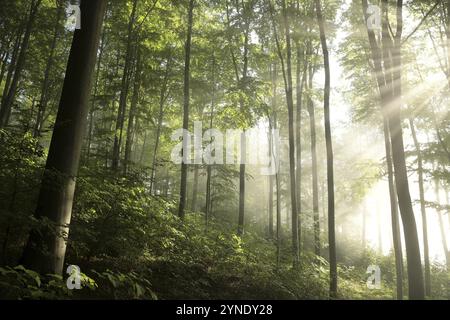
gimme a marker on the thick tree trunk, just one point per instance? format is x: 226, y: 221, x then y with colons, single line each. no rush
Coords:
x: 187, y: 63
x: 415, y: 276
x: 45, y: 249
x: 396, y: 236
x: 329, y: 148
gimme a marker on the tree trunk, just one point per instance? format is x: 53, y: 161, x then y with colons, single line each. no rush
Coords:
x: 45, y: 249
x: 422, y: 209
x: 241, y: 219
x: 299, y: 94
x: 187, y: 62
x: 287, y: 77
x: 209, y: 166
x: 195, y: 189
x: 46, y: 83
x: 7, y: 104
x: 124, y: 91
x: 12, y: 66
x: 396, y: 236
x: 441, y: 225
x: 94, y: 97
x: 162, y: 98
x: 132, y: 113
x: 315, y: 180
x: 388, y: 95
x: 329, y: 148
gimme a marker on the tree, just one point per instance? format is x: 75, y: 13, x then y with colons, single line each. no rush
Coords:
x: 187, y: 62
x: 387, y: 65
x: 329, y: 147
x: 315, y: 179
x: 45, y: 250
x: 422, y: 208
x: 125, y: 85
x: 8, y: 98
x: 288, y: 87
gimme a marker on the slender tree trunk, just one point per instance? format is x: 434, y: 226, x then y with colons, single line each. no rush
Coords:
x: 7, y: 104
x: 441, y: 225
x: 132, y: 113
x: 241, y: 219
x: 315, y: 180
x: 124, y: 90
x: 45, y: 249
x: 195, y: 189
x: 209, y: 166
x: 299, y: 94
x: 96, y: 83
x: 329, y: 148
x: 162, y: 98
x: 422, y: 209
x: 287, y: 77
x: 12, y: 65
x: 187, y: 62
x: 274, y: 151
x: 46, y: 83
x: 4, y: 59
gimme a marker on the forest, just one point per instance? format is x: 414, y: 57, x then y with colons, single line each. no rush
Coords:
x: 224, y: 149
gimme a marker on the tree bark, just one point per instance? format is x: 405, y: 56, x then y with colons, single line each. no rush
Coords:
x: 187, y: 63
x: 124, y: 91
x: 132, y: 113
x: 94, y: 97
x: 46, y: 83
x: 396, y: 236
x: 315, y: 180
x: 5, y: 110
x: 329, y: 148
x: 391, y: 97
x: 209, y: 166
x: 45, y: 249
x: 162, y: 98
x: 300, y: 79
x: 426, y: 253
x: 441, y: 224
